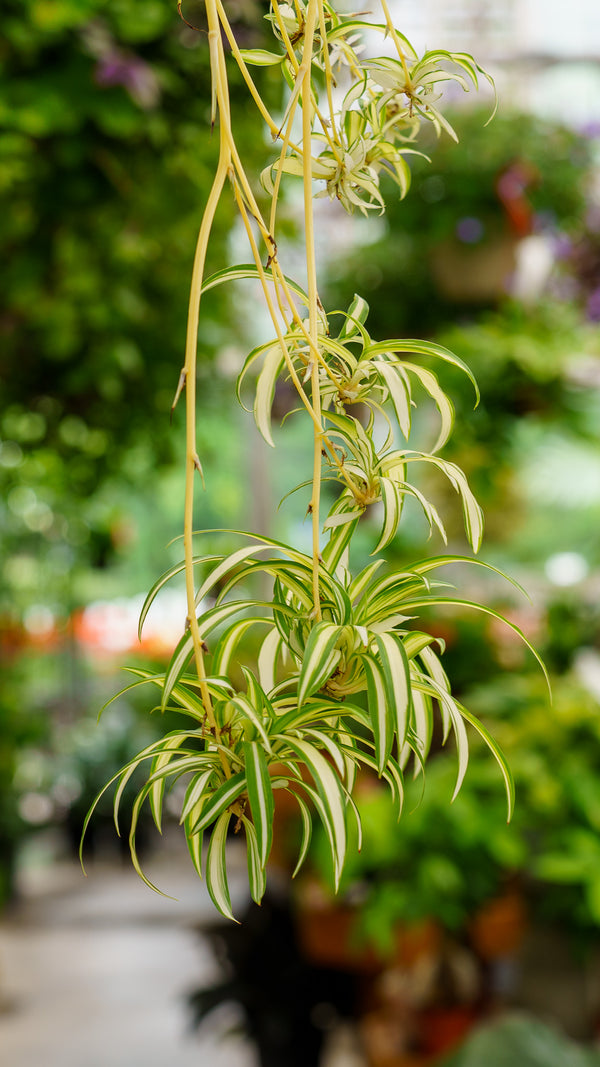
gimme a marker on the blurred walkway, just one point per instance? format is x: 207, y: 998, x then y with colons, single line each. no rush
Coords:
x: 94, y: 972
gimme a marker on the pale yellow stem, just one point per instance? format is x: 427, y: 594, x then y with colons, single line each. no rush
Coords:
x: 327, y: 66
x: 189, y: 374
x: 313, y: 296
x: 393, y: 34
x: 244, y: 70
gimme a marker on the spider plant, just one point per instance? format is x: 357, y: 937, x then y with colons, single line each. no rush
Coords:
x: 345, y: 678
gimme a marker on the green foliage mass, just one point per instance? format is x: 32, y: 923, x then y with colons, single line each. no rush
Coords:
x: 102, y: 180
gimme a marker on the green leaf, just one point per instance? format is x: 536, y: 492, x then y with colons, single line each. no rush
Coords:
x: 216, y: 867
x: 260, y: 795
x: 259, y: 57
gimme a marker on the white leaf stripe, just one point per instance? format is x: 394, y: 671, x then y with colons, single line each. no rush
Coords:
x: 425, y: 348
x: 157, y: 790
x: 306, y: 834
x: 457, y: 602
x: 422, y: 721
x: 248, y: 270
x: 194, y: 842
x: 392, y: 505
x: 162, y: 581
x: 260, y: 795
x: 227, y: 564
x: 256, y: 873
x: 225, y: 795
x: 396, y: 672
x: 247, y: 710
x: 443, y: 403
x: 135, y: 814
x: 379, y: 711
x: 267, y: 659
x: 225, y: 648
x: 498, y: 754
x: 399, y: 394
x: 435, y: 670
x: 330, y: 746
x: 265, y: 391
x: 330, y: 791
x: 206, y: 624
x: 337, y: 859
x: 317, y: 660
x: 460, y: 734
x: 216, y: 867
x: 194, y: 793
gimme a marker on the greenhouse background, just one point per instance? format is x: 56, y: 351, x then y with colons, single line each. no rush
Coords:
x: 450, y: 919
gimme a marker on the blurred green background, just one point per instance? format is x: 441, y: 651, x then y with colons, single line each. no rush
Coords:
x: 105, y: 164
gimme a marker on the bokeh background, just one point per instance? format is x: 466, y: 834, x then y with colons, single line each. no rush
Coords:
x: 450, y: 917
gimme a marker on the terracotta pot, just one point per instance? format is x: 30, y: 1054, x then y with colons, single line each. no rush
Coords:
x: 498, y: 928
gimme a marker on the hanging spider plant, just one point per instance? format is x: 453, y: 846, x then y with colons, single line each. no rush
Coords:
x: 345, y: 678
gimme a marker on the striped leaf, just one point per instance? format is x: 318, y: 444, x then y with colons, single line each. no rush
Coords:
x: 260, y: 795
x: 194, y: 794
x: 250, y: 713
x: 396, y: 672
x: 178, y: 568
x: 319, y: 659
x: 391, y: 498
x: 161, y: 762
x: 306, y: 834
x: 423, y: 348
x: 194, y: 843
x: 222, y: 798
x: 399, y: 391
x: 248, y: 270
x: 457, y: 602
x: 257, y: 878
x: 225, y: 566
x: 228, y: 643
x: 380, y: 711
x: 135, y: 814
x: 265, y: 391
x: 267, y: 660
x: 443, y: 403
x: 330, y: 793
x: 216, y: 867
x: 498, y: 755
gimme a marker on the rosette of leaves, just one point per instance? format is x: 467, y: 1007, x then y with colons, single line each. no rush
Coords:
x: 346, y: 676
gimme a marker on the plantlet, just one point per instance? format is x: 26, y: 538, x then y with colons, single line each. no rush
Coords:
x: 343, y: 679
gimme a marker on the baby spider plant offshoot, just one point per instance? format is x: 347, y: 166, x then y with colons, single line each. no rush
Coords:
x: 347, y: 680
